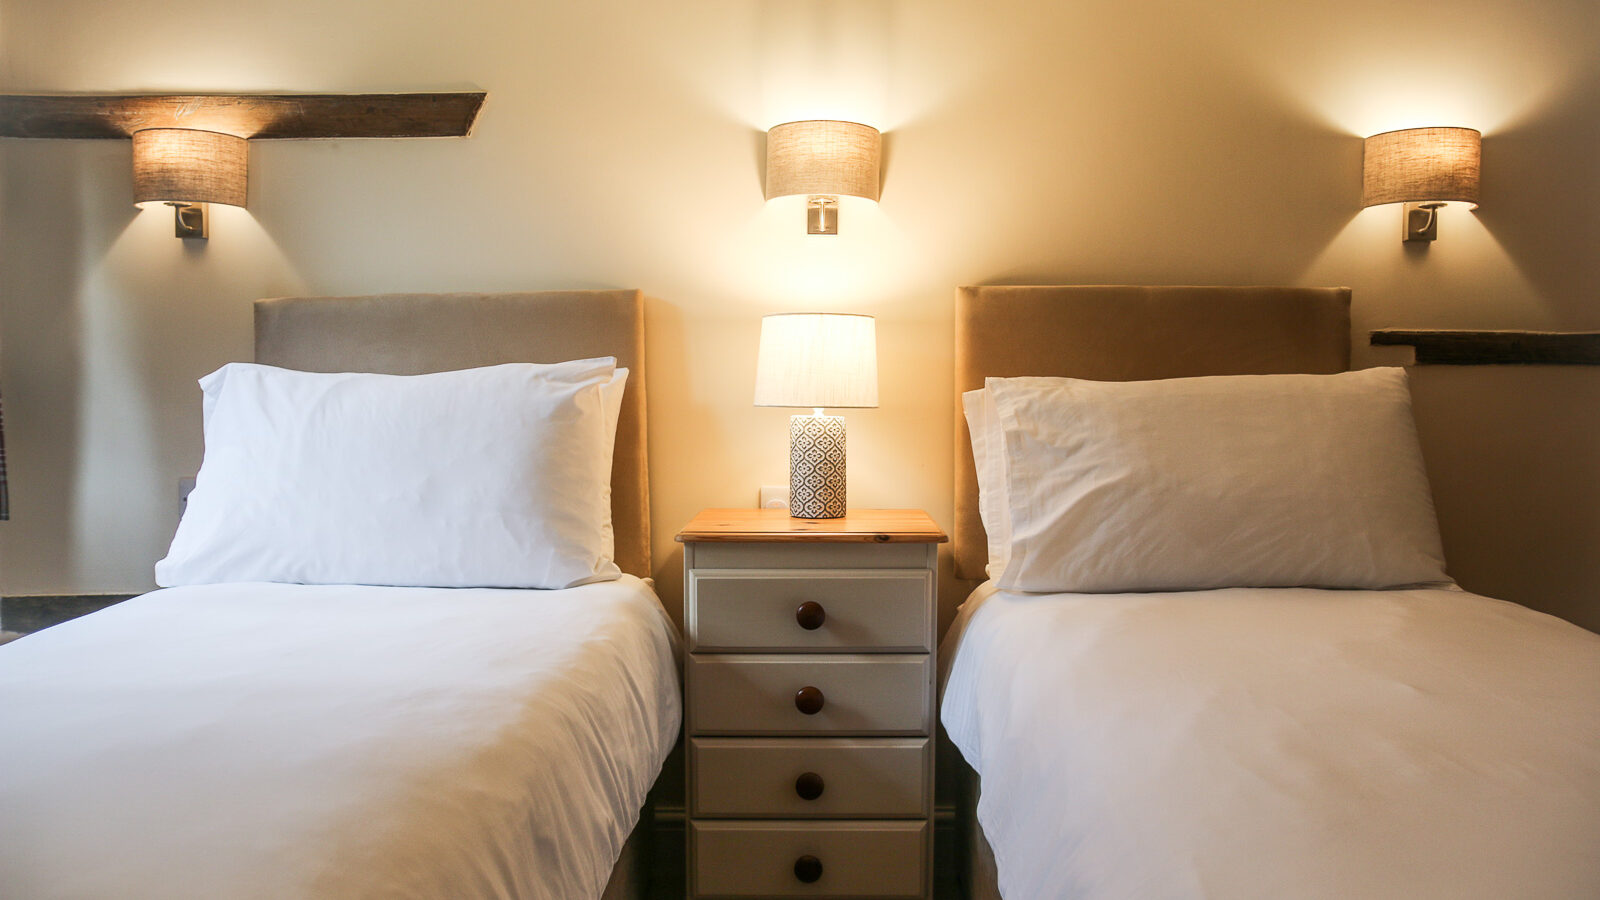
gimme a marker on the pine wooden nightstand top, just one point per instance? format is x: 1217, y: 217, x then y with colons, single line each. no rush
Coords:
x: 864, y: 526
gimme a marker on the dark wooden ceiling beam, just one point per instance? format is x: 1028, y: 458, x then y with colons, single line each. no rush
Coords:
x: 255, y: 116
x: 1497, y: 348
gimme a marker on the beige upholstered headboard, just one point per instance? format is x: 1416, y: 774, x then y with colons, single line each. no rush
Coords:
x: 1130, y: 333
x: 413, y: 334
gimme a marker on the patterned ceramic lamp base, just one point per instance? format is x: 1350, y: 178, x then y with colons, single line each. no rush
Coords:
x: 816, y: 467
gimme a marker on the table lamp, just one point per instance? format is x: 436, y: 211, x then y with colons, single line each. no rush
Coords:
x: 817, y: 360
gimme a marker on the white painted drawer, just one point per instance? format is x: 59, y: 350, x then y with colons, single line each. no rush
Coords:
x: 771, y: 778
x: 862, y: 694
x: 858, y: 859
x: 886, y: 611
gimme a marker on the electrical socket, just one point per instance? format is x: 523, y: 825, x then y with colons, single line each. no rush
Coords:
x: 774, y: 496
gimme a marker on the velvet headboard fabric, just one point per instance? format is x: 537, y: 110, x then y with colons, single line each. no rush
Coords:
x: 1130, y: 333
x: 414, y: 334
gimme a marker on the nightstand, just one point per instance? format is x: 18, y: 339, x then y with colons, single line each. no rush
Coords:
x: 809, y: 703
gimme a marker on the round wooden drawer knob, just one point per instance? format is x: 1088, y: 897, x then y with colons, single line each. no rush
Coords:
x: 808, y: 786
x: 808, y: 869
x: 808, y: 700
x: 810, y: 615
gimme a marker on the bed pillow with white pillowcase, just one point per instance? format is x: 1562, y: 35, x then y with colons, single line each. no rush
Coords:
x: 611, y: 394
x: 488, y: 477
x: 989, y: 460
x: 1231, y: 481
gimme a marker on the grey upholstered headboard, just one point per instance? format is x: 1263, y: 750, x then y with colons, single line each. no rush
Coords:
x: 1130, y: 333
x: 413, y: 334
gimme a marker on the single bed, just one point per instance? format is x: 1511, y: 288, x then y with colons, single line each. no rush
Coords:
x: 339, y: 741
x: 1207, y: 740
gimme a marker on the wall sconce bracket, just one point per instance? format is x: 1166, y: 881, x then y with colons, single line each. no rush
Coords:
x: 1420, y: 222
x: 822, y: 214
x: 190, y: 220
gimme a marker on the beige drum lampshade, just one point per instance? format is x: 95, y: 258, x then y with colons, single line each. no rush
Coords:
x: 183, y: 165
x: 823, y: 156
x: 1418, y: 165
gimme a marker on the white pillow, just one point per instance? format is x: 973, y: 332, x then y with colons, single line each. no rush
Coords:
x: 490, y: 477
x: 1191, y: 483
x: 611, y: 402
x: 611, y: 394
x: 989, y: 461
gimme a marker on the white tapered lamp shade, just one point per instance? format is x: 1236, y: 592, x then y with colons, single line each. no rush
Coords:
x: 817, y: 360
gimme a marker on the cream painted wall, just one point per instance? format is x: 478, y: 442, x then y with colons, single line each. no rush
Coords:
x: 1097, y: 141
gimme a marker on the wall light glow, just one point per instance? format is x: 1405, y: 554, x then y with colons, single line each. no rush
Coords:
x: 777, y: 263
x: 1393, y: 95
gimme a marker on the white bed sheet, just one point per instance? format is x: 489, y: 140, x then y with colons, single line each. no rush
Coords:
x: 301, y: 741
x: 1247, y: 743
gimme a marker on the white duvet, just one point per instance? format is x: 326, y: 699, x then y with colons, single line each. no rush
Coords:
x: 297, y: 741
x: 1252, y: 743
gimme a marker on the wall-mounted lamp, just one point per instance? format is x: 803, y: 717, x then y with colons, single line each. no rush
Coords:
x: 186, y: 169
x: 1422, y: 168
x: 817, y: 360
x: 823, y: 158
x: 191, y: 149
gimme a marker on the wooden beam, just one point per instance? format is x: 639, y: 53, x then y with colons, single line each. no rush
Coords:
x: 258, y: 116
x: 1497, y: 348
